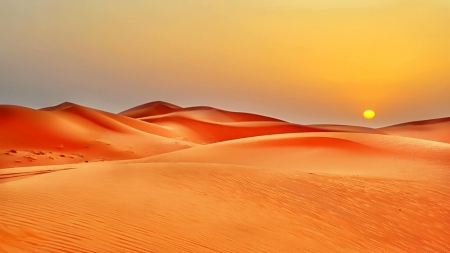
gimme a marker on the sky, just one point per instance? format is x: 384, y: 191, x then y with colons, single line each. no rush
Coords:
x: 304, y: 61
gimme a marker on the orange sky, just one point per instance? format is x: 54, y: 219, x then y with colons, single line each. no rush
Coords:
x: 321, y: 61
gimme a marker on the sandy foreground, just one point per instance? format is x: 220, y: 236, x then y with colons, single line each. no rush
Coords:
x: 287, y: 188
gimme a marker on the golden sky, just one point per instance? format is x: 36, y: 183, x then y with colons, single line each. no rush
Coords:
x: 307, y: 61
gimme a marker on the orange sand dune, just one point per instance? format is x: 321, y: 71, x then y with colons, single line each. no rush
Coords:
x: 202, y: 124
x: 70, y: 133
x: 212, y: 114
x: 96, y: 118
x: 150, y: 109
x: 345, y: 153
x: 199, y: 130
x: 434, y: 130
x: 199, y: 112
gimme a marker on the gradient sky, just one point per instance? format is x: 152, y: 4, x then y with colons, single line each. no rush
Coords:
x: 305, y: 61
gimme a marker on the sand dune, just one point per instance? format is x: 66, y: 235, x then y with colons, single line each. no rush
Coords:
x: 342, y: 153
x: 199, y: 112
x: 204, y: 125
x: 434, y: 130
x: 150, y: 109
x: 256, y: 185
x: 197, y: 129
x: 214, y: 115
x: 70, y: 133
x: 91, y: 118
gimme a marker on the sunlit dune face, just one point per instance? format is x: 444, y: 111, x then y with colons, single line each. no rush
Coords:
x: 368, y: 114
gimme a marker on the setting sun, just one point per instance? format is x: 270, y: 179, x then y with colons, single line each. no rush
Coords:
x: 368, y: 114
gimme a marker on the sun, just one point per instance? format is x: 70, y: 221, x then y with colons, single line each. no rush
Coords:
x: 368, y: 114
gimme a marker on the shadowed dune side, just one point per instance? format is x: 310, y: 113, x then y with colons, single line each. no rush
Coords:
x: 434, y: 130
x: 348, y: 153
x: 72, y: 133
x: 177, y: 207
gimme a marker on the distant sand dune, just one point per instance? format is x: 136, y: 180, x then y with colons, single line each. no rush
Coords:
x: 150, y: 109
x: 198, y: 130
x: 434, y: 130
x: 73, y: 133
x: 200, y: 112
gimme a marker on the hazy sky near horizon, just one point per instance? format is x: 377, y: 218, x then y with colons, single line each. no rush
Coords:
x: 305, y: 61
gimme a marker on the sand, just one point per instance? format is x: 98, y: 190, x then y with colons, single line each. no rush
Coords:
x: 70, y: 133
x: 434, y: 130
x: 305, y: 189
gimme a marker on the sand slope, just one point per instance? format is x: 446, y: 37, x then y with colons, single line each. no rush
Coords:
x: 177, y: 207
x: 343, y: 153
x: 70, y: 133
x: 434, y: 130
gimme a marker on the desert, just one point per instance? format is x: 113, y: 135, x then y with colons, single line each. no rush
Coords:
x: 199, y: 126
x: 163, y: 178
